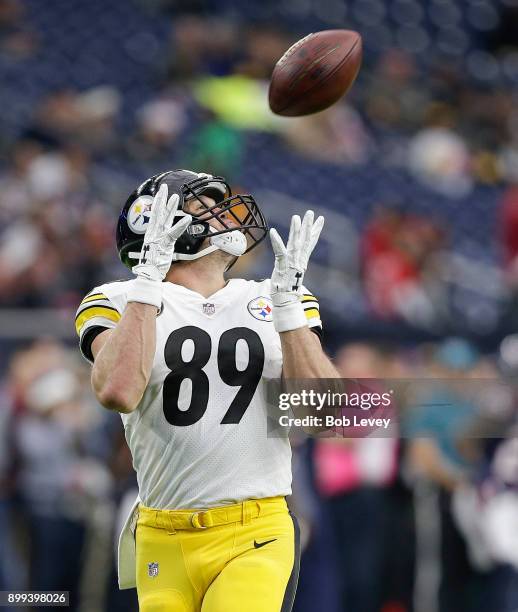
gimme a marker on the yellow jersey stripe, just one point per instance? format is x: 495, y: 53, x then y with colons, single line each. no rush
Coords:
x: 312, y: 313
x: 95, y: 296
x: 96, y: 311
x: 309, y: 298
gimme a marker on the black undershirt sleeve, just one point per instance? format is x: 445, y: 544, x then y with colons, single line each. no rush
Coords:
x: 86, y: 341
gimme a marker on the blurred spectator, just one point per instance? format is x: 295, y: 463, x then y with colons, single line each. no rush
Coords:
x: 319, y: 577
x: 353, y: 476
x: 238, y: 100
x: 509, y: 235
x: 57, y: 238
x: 336, y: 136
x: 202, y: 46
x: 397, y: 260
x: 439, y: 418
x: 12, y: 575
x: 440, y: 158
x: 217, y: 146
x: 68, y: 117
x: 394, y: 98
x: 59, y: 483
x: 160, y: 122
x: 16, y: 40
x: 442, y: 414
x: 486, y: 506
x: 263, y: 47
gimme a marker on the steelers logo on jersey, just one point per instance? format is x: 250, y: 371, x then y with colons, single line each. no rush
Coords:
x: 261, y: 308
x: 138, y: 214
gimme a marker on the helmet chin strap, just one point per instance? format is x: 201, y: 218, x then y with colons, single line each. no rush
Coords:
x: 233, y: 243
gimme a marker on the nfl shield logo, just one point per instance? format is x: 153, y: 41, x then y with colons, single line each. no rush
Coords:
x: 209, y: 309
x: 152, y: 570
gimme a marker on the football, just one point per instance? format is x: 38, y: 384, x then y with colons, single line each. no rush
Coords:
x: 315, y: 72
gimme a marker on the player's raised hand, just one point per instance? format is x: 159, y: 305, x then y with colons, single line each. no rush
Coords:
x: 291, y: 262
x: 161, y: 235
x: 156, y: 255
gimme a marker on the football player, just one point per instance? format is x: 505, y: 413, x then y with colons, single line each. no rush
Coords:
x: 184, y: 355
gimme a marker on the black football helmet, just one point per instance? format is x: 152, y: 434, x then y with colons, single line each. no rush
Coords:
x: 188, y: 185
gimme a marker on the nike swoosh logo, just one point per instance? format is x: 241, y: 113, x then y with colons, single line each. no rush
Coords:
x: 261, y: 544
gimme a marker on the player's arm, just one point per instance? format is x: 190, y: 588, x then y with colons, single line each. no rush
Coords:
x: 303, y: 356
x: 123, y: 356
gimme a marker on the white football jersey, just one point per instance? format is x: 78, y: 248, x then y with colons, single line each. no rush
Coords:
x: 198, y: 438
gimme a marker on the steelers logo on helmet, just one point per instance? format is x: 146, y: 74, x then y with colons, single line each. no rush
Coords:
x: 139, y: 213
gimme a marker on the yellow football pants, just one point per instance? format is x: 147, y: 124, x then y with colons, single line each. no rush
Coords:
x: 241, y: 558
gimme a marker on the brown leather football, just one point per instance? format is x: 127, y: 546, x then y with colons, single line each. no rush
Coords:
x: 315, y: 72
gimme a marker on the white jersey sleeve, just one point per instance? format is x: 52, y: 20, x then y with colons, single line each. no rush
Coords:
x: 100, y: 309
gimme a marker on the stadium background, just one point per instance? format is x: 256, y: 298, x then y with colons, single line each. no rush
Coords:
x: 417, y: 272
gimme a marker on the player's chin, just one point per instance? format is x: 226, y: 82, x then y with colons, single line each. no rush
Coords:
x: 222, y: 260
x: 224, y: 257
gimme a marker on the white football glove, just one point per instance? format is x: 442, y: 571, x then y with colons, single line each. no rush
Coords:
x: 157, y: 250
x: 291, y: 262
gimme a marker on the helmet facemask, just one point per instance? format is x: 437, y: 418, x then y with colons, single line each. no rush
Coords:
x: 242, y: 223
